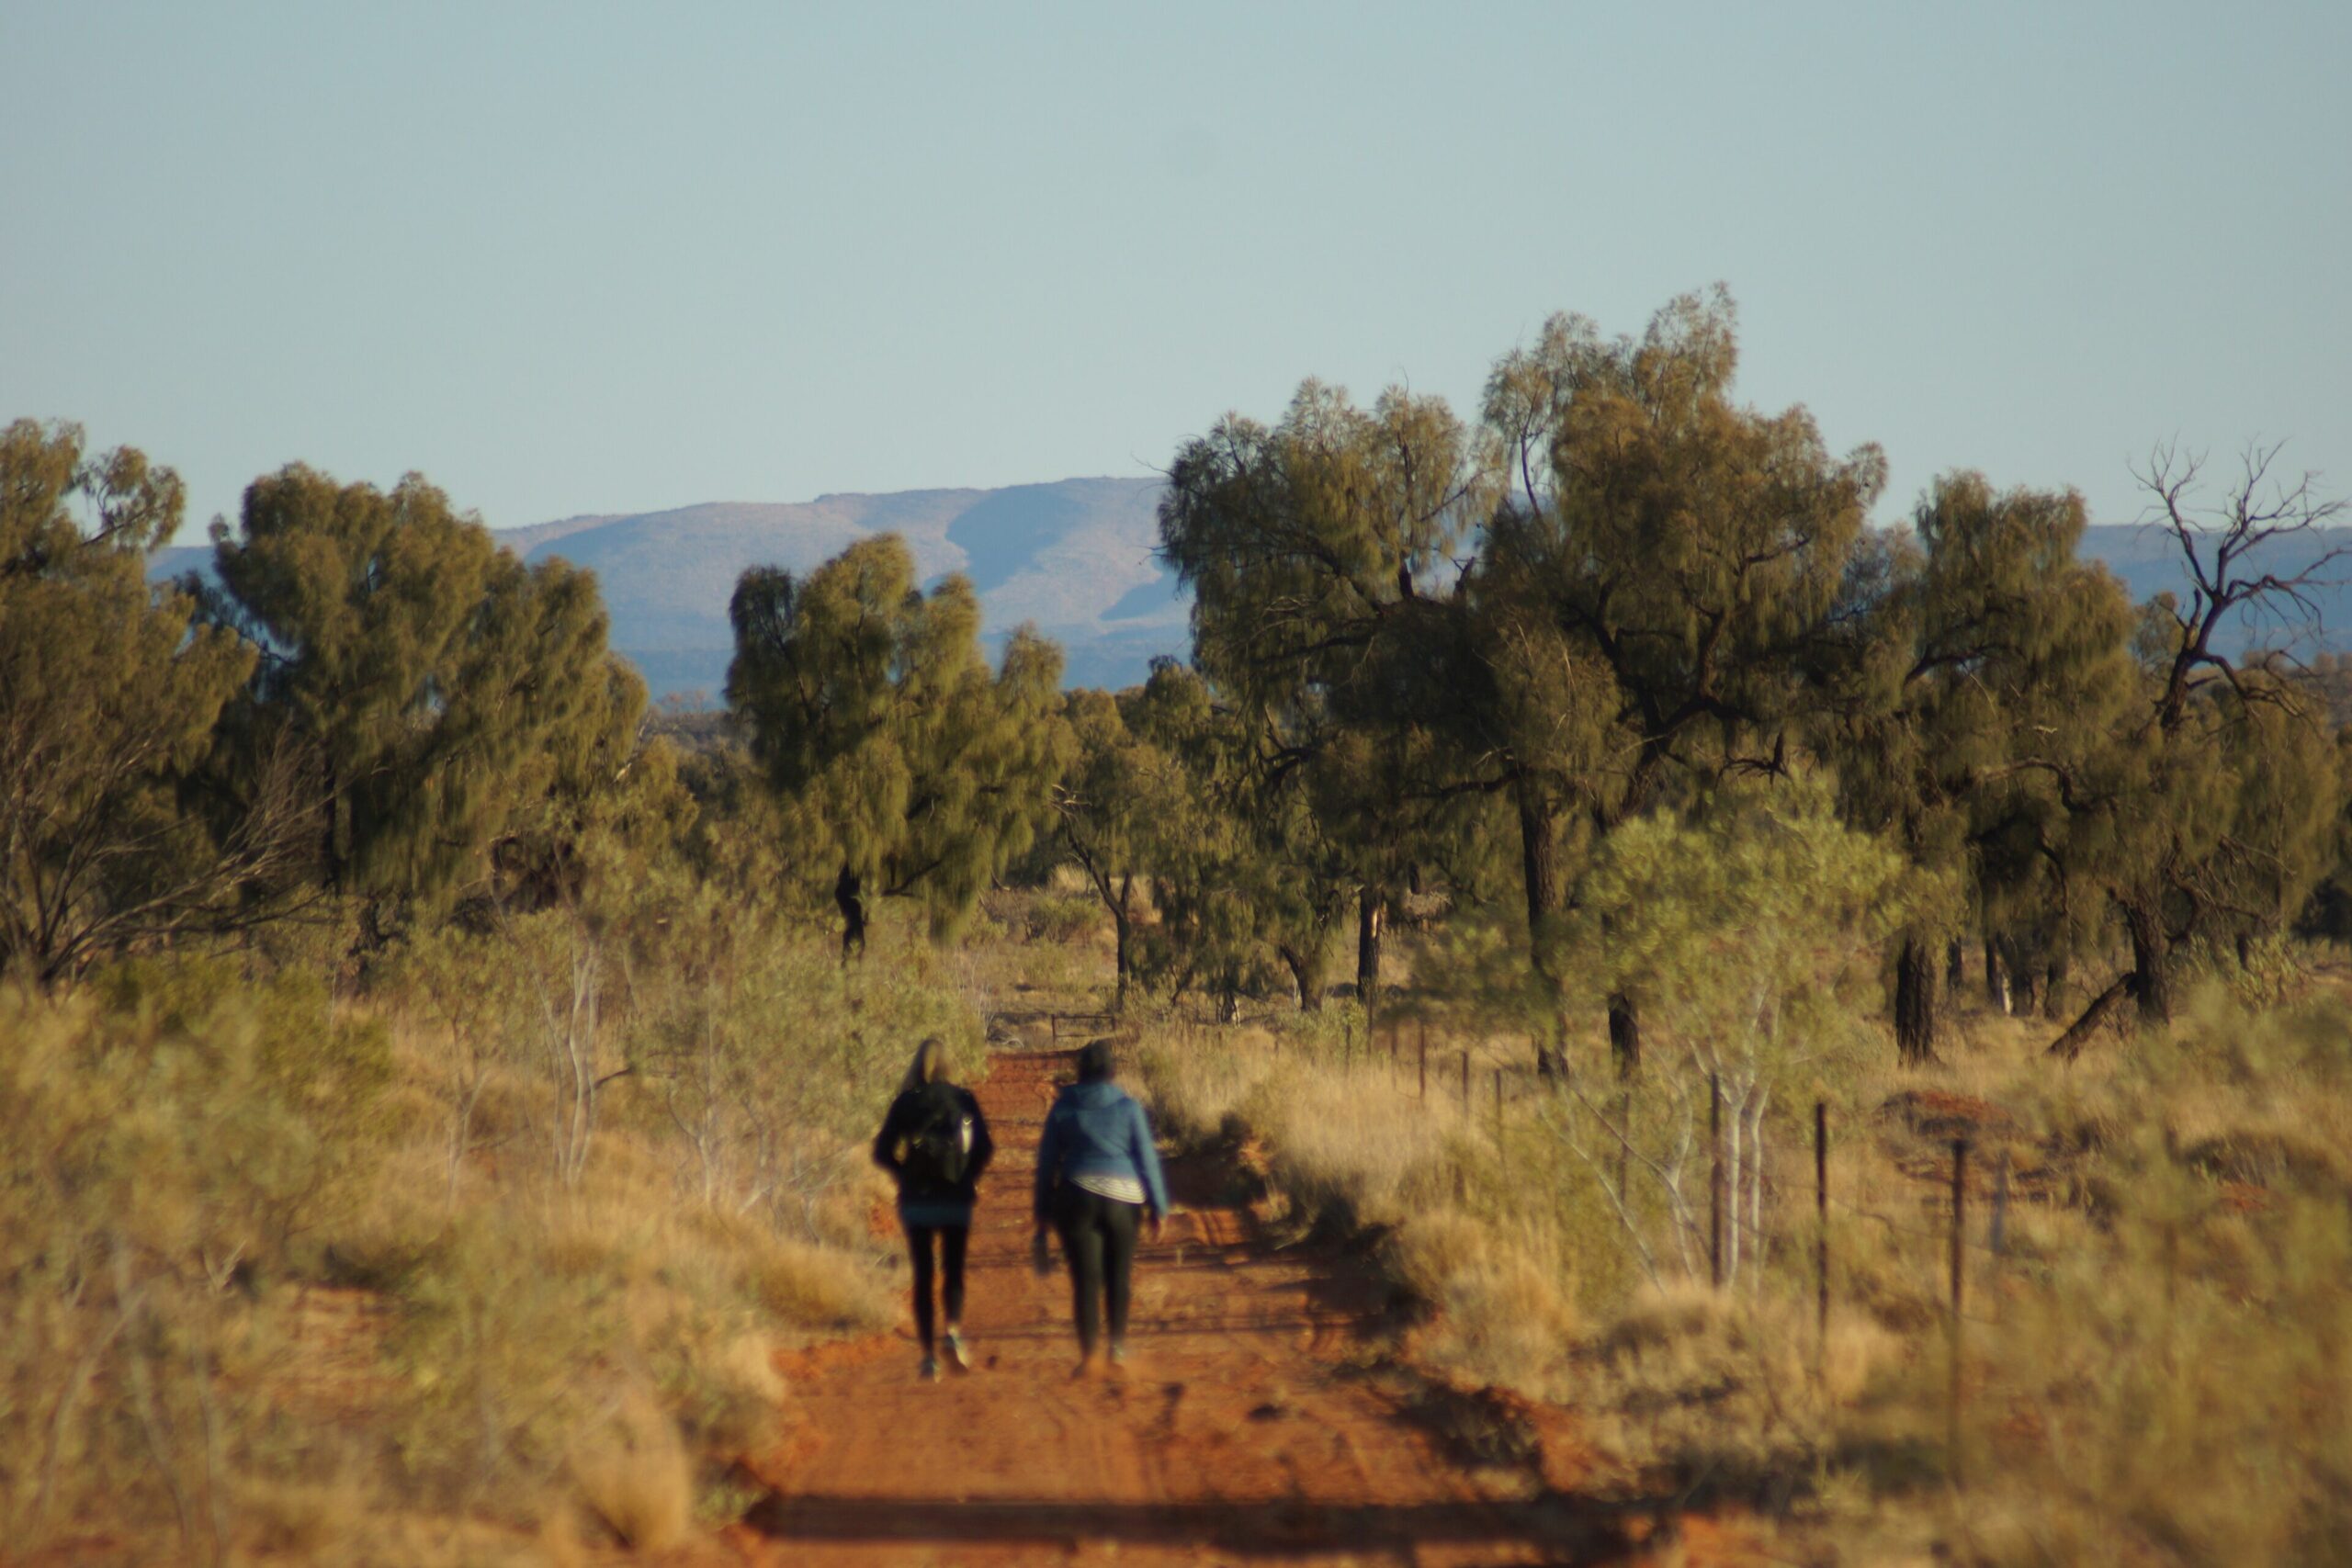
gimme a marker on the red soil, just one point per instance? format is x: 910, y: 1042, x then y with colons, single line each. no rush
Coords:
x: 1256, y: 1420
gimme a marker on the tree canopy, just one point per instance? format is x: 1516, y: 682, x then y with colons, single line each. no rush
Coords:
x: 908, y: 764
x: 443, y: 687
x: 109, y: 698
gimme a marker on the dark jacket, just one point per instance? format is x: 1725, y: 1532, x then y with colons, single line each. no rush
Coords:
x: 905, y: 1115
x: 1097, y: 1129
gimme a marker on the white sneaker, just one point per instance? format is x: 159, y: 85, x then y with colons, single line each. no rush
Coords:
x: 957, y: 1357
x: 930, y: 1369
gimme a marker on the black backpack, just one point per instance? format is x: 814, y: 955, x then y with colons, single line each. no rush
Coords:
x: 939, y: 1139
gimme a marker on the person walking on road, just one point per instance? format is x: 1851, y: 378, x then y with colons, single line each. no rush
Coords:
x: 936, y: 1143
x: 1098, y: 1178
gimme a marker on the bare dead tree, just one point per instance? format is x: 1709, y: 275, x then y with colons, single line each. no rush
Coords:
x: 2231, y: 550
x: 2262, y: 555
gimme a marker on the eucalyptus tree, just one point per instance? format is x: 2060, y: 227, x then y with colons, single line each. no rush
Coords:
x: 1664, y: 568
x: 907, y: 763
x: 1654, y: 573
x: 1210, y: 885
x: 1982, y: 652
x: 1242, y: 875
x: 1321, y: 553
x: 443, y: 687
x: 1116, y: 792
x: 111, y: 696
x: 2205, y: 810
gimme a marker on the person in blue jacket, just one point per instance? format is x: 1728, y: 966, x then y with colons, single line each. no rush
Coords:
x: 1098, y: 1182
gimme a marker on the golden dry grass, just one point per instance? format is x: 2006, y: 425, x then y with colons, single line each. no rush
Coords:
x: 633, y: 1475
x: 2158, y: 1368
x: 251, y: 1316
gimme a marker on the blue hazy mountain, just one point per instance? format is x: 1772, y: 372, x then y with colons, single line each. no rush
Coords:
x: 1074, y: 558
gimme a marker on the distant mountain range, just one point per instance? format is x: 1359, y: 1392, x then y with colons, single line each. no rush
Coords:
x: 1075, y: 558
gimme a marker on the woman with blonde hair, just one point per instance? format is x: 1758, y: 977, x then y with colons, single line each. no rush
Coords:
x: 936, y: 1143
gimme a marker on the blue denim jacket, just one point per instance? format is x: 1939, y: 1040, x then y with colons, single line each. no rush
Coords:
x: 1097, y: 1129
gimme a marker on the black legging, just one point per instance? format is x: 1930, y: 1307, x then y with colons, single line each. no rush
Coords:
x: 951, y: 1251
x: 1099, y: 1240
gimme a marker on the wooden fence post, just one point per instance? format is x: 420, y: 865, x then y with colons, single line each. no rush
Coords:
x: 1958, y: 1273
x: 1625, y: 1137
x: 1499, y: 1108
x: 1999, y: 1238
x: 1425, y: 1061
x: 1715, y: 1180
x: 1821, y: 1238
x: 1466, y: 1084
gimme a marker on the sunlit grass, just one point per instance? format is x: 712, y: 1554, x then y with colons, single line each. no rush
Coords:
x: 2154, y: 1367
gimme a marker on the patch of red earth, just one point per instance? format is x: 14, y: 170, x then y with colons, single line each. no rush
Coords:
x: 332, y: 1366
x: 1939, y: 1113
x: 1259, y: 1419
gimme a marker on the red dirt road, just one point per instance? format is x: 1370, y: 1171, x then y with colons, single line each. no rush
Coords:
x: 1255, y: 1421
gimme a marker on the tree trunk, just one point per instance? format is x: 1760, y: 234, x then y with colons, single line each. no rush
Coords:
x: 2079, y: 1034
x: 1915, y: 1003
x: 1307, y: 973
x: 1372, y: 915
x: 1539, y: 857
x: 330, y: 820
x: 2151, y: 981
x: 2053, y: 989
x: 848, y: 895
x: 2021, y: 973
x: 1624, y: 1035
x: 2246, y: 951
x: 1955, y: 966
x: 1120, y: 932
x: 1997, y: 978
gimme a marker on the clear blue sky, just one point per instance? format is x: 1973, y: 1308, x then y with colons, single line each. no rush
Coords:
x: 572, y: 257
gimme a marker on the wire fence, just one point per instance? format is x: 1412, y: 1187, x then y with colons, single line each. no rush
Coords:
x: 1960, y: 1233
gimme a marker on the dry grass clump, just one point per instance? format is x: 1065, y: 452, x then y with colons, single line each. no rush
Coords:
x: 1339, y: 1150
x: 632, y: 1473
x: 1351, y: 1150
x: 1346, y: 1149
x: 817, y: 1287
x: 1504, y: 1310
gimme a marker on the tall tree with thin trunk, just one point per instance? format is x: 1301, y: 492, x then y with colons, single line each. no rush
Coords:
x: 910, y: 768
x: 1321, y: 553
x: 1116, y: 791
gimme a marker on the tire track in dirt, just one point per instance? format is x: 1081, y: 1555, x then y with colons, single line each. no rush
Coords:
x: 1242, y: 1430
